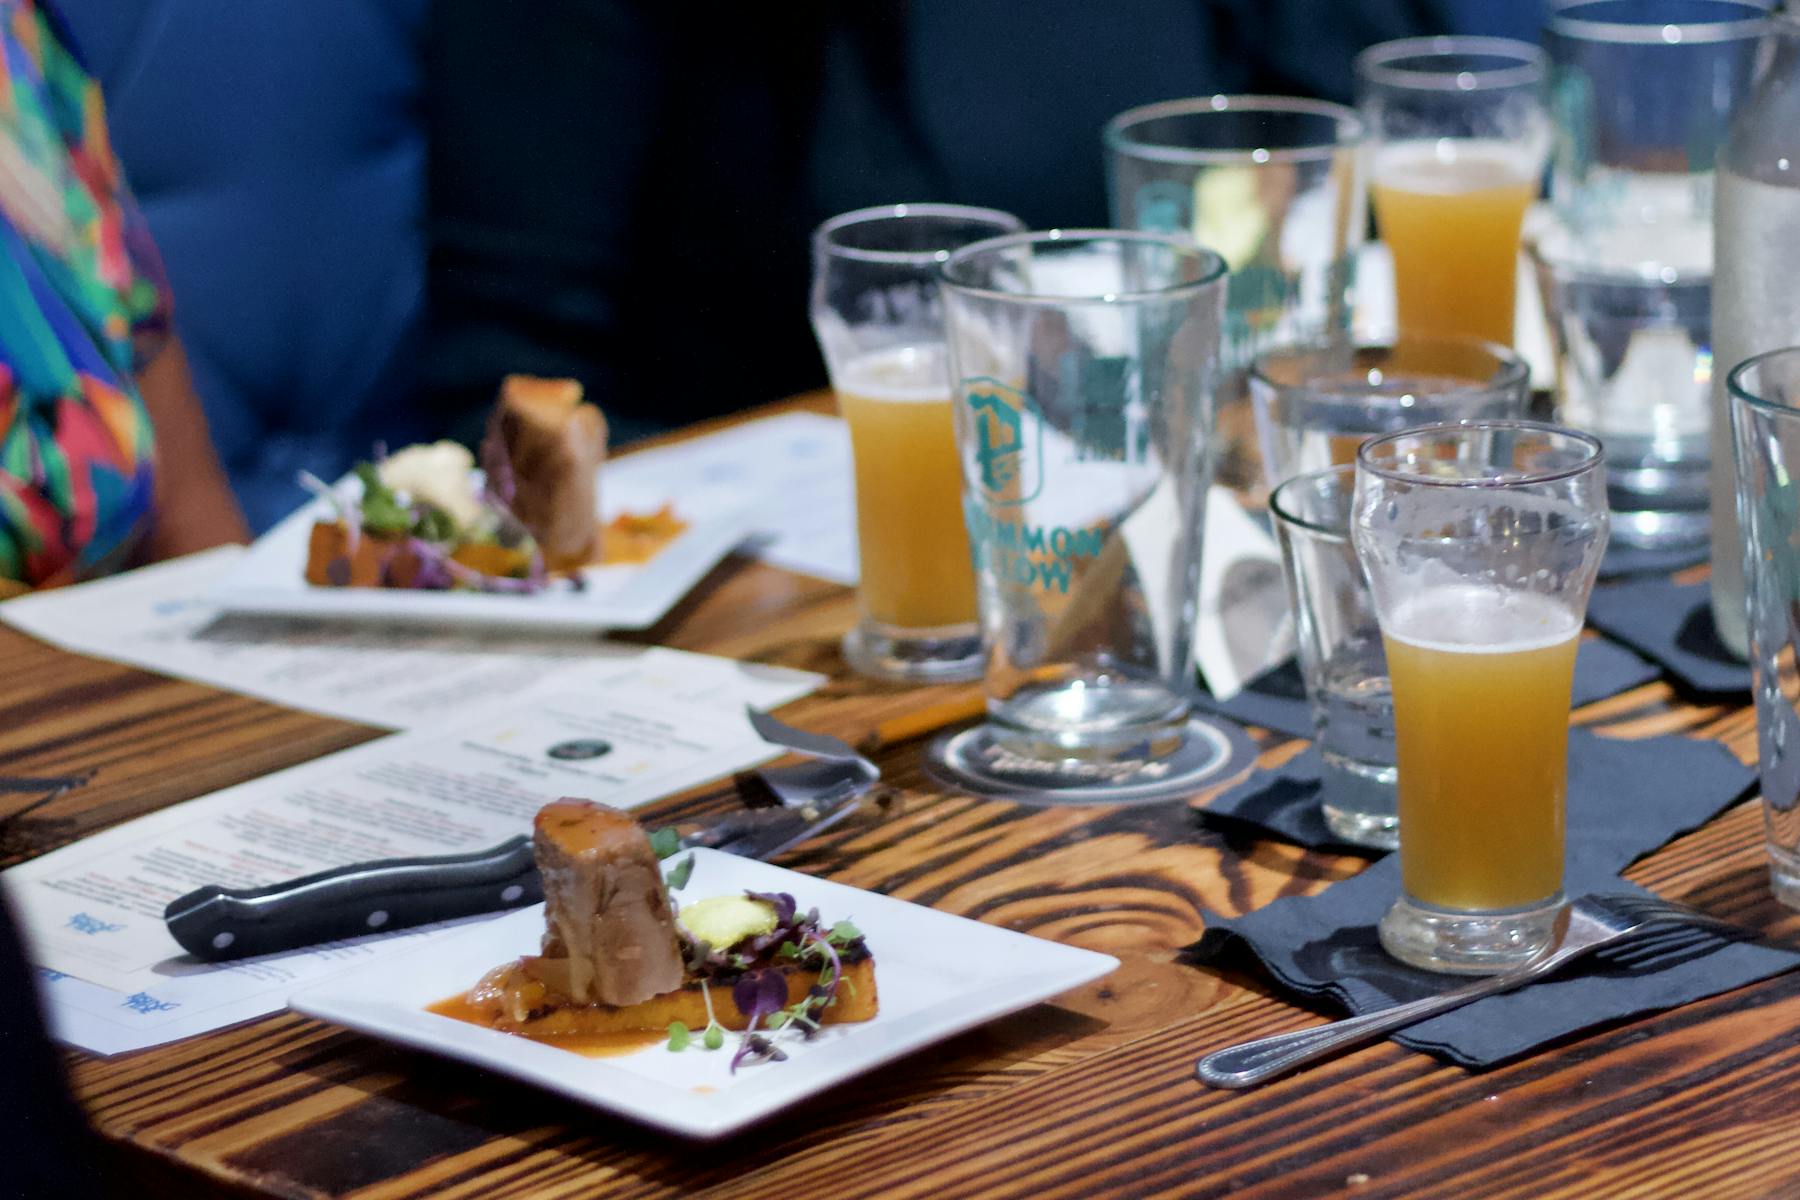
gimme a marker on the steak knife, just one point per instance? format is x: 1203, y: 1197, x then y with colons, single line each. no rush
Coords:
x: 218, y: 924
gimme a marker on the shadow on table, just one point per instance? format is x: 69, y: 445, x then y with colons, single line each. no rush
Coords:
x: 419, y: 1109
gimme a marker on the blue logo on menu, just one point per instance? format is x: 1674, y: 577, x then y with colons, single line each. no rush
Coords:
x: 143, y: 1003
x: 82, y: 923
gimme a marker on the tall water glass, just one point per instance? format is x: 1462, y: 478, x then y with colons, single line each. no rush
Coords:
x: 1458, y: 135
x: 879, y: 321
x: 1315, y: 404
x: 1083, y: 366
x: 1272, y: 184
x: 1481, y: 542
x: 1642, y: 92
x: 1765, y: 418
x: 1341, y: 659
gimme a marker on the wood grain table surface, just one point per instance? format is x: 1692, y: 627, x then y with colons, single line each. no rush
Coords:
x: 1091, y: 1095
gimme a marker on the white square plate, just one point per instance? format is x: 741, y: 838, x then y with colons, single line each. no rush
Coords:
x: 271, y: 580
x: 937, y: 975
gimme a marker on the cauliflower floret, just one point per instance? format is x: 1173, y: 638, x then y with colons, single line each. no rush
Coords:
x: 439, y: 474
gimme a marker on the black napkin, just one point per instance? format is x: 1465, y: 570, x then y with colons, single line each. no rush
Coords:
x: 1276, y: 699
x: 1618, y: 790
x: 1625, y: 799
x: 1671, y: 624
x: 1621, y: 560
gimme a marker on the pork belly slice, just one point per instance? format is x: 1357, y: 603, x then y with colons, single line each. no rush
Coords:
x: 554, y: 444
x: 610, y: 931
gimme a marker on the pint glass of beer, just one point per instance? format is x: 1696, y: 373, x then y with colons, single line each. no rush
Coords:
x: 1458, y: 136
x: 876, y: 312
x: 1481, y: 541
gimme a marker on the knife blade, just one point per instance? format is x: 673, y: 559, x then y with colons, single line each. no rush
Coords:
x: 217, y: 924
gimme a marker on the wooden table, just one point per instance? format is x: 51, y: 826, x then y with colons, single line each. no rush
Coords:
x: 1093, y: 1095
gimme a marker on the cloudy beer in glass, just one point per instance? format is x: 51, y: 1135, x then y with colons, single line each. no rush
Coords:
x: 1480, y: 541
x: 1459, y: 135
x: 1481, y: 782
x: 916, y: 572
x: 879, y: 320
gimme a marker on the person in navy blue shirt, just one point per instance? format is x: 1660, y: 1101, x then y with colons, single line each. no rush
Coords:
x: 622, y: 190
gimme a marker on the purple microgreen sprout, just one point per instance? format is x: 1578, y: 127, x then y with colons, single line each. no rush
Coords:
x: 782, y: 903
x: 759, y: 994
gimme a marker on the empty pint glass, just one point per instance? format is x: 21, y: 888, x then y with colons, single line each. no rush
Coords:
x: 1083, y: 365
x: 1481, y: 541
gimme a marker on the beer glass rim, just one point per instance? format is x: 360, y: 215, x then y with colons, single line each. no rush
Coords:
x: 1283, y: 510
x: 1119, y: 137
x: 826, y: 245
x: 1375, y: 64
x: 1736, y: 385
x: 1512, y: 368
x: 1365, y: 460
x: 1627, y: 30
x: 1213, y: 269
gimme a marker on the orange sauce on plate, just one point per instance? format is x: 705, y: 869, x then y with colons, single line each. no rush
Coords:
x: 588, y: 1045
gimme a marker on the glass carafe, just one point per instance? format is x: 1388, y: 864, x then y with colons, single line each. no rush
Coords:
x: 1756, y: 278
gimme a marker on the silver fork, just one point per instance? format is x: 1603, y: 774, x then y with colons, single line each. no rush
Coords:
x: 1602, y: 919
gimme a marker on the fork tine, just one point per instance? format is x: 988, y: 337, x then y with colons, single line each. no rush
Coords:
x: 1654, y: 909
x: 1654, y: 951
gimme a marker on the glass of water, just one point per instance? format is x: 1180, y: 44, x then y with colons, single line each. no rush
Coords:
x: 1341, y: 657
x: 1315, y: 404
x: 1642, y: 95
x: 1083, y: 365
x: 1765, y: 417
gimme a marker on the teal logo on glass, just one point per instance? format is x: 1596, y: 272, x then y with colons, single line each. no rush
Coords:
x: 1163, y: 206
x: 1009, y: 441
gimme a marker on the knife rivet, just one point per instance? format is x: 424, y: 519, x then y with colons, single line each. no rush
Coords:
x: 223, y: 940
x: 378, y: 918
x: 511, y: 892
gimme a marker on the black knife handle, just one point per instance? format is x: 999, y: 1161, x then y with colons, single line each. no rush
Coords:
x: 217, y: 924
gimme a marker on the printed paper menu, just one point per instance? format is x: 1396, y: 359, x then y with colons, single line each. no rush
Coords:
x: 393, y: 677
x: 93, y: 910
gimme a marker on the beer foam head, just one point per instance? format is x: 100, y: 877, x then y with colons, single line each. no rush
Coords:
x: 1487, y: 620
x: 918, y: 373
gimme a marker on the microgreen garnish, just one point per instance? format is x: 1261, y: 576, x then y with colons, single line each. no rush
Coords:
x: 382, y: 511
x: 798, y: 940
x: 680, y: 1037
x: 665, y: 842
x: 679, y: 876
x: 434, y: 524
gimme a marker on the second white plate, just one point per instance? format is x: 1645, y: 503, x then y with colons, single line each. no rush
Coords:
x: 271, y: 580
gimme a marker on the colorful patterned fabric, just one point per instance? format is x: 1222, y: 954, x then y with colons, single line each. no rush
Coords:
x: 83, y: 306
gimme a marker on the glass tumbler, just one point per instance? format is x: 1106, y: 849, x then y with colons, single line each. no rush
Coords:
x: 1341, y: 657
x: 1458, y: 135
x: 1269, y: 182
x: 1765, y: 418
x: 1083, y: 365
x: 879, y: 321
x: 1315, y: 404
x: 1481, y: 541
x: 1643, y: 93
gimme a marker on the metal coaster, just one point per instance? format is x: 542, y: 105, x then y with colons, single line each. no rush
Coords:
x: 1210, y: 752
